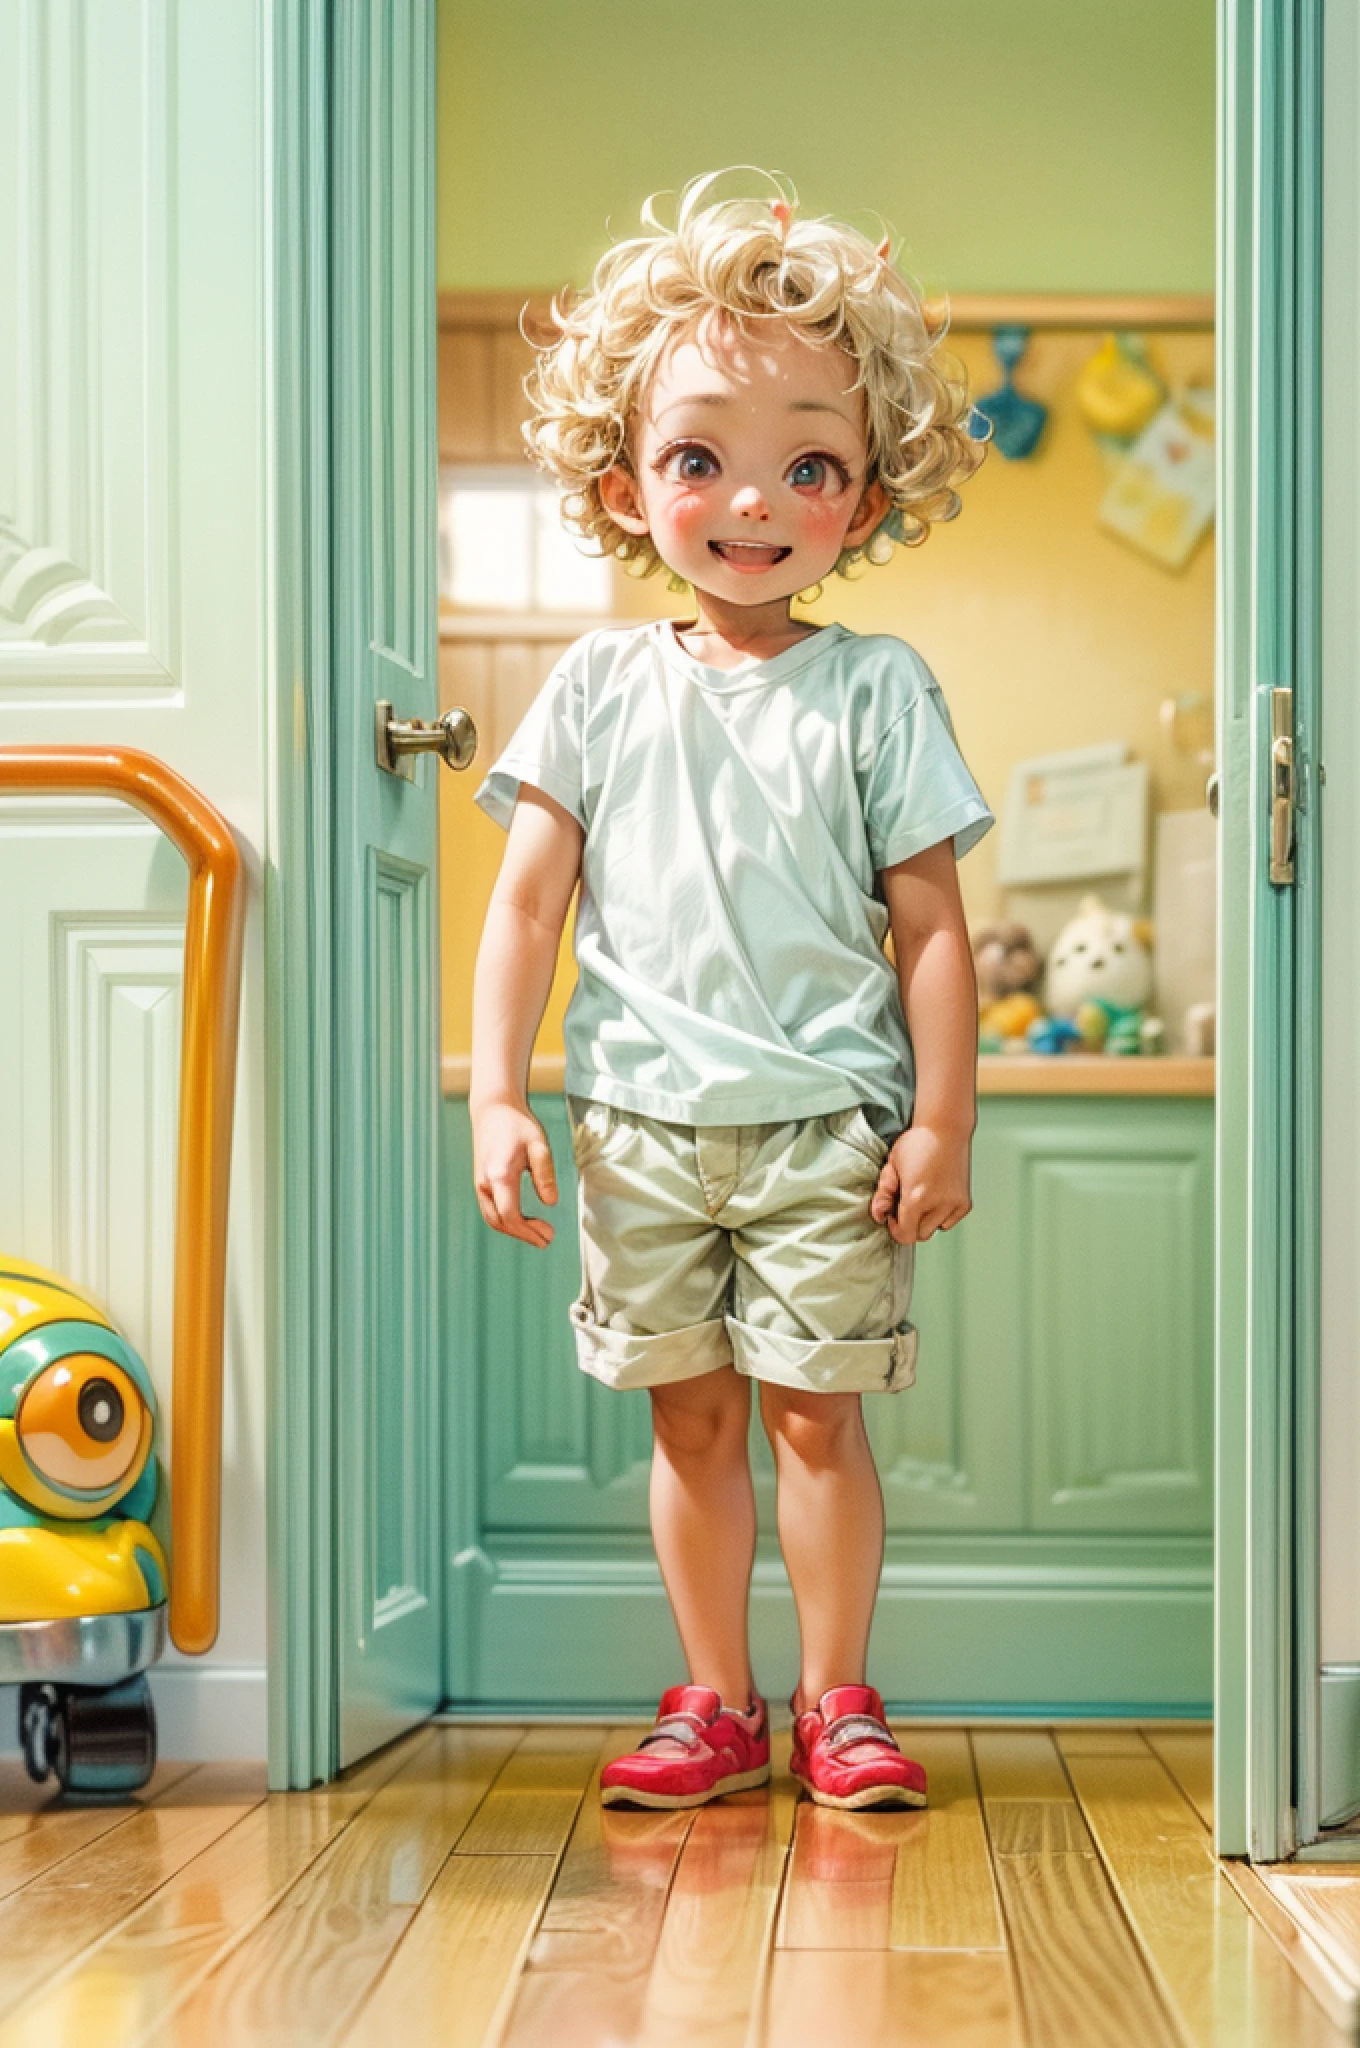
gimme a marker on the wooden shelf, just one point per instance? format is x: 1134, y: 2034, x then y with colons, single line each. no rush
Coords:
x: 1092, y: 1074
x: 998, y: 1074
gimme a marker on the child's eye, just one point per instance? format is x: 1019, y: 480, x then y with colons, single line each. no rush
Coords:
x: 818, y: 473
x: 689, y: 465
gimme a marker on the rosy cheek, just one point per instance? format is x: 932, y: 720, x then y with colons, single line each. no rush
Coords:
x: 685, y: 513
x: 822, y: 521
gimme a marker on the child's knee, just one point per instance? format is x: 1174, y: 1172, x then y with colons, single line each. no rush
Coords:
x: 818, y: 1429
x: 699, y: 1417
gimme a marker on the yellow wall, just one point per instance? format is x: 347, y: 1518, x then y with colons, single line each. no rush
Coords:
x: 1013, y: 145
x: 1044, y: 631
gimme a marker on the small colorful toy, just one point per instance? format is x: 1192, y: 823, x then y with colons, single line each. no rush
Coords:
x: 1052, y: 1036
x: 82, y: 1574
x: 1008, y: 968
x: 1108, y: 1027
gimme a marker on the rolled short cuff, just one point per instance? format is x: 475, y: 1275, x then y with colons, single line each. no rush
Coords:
x: 873, y: 1365
x: 621, y: 1358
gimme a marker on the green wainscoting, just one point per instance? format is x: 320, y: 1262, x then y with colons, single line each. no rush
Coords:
x: 1048, y: 1480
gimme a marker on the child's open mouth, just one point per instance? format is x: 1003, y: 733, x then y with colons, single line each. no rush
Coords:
x: 748, y: 554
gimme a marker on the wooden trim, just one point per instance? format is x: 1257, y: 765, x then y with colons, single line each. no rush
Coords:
x: 997, y: 1075
x: 459, y: 311
x: 969, y: 312
x: 510, y: 625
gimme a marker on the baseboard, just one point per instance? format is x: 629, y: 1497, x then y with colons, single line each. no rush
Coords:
x: 1339, y: 1744
x: 204, y: 1713
x: 570, y: 1633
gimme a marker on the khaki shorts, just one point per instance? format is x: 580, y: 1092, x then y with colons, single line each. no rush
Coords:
x: 737, y: 1244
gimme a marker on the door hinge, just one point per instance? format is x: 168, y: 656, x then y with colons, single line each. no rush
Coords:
x: 1283, y: 799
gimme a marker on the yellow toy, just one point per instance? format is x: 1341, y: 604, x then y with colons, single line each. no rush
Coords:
x: 1118, y: 391
x: 82, y: 1576
x: 1009, y: 1016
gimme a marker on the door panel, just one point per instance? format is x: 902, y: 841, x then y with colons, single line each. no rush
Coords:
x: 383, y: 537
x: 133, y: 612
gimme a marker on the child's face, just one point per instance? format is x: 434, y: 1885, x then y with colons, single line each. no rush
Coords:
x: 749, y: 452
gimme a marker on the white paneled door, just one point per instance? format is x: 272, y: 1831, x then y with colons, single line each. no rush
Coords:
x: 133, y: 610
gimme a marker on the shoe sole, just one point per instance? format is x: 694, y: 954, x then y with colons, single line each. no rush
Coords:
x: 872, y: 1795
x: 627, y: 1795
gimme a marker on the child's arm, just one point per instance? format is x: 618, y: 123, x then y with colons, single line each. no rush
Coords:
x: 924, y: 1184
x: 515, y: 964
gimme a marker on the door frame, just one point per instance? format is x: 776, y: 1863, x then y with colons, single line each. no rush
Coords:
x: 1268, y: 345
x: 1269, y: 363
x: 303, y: 1618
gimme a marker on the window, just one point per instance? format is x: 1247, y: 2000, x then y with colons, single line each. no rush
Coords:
x: 503, y: 548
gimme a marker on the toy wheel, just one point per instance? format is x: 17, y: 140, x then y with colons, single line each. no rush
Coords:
x: 37, y: 1710
x: 103, y: 1742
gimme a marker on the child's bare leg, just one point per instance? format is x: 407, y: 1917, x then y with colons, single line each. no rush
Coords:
x: 704, y: 1523
x: 830, y: 1513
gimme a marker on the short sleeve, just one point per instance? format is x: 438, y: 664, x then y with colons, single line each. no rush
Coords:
x: 545, y: 748
x: 920, y: 791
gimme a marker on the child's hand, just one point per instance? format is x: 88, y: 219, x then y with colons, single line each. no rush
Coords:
x: 924, y: 1184
x: 508, y: 1141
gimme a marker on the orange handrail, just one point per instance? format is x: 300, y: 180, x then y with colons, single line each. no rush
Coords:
x: 207, y: 1092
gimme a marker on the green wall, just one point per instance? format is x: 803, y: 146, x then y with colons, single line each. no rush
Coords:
x: 1054, y: 145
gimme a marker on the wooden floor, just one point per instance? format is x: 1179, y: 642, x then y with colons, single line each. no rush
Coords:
x: 466, y: 1888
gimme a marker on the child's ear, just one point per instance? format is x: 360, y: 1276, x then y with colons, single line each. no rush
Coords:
x: 622, y: 501
x: 873, y: 507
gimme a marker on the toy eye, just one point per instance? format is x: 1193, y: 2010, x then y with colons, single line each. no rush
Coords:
x: 101, y: 1411
x: 80, y: 1424
x: 1118, y: 946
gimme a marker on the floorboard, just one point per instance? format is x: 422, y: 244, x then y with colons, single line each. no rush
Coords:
x: 301, y: 1974
x: 39, y: 1840
x: 48, y: 1924
x: 1221, y: 1974
x: 891, y: 2000
x: 708, y: 1980
x: 128, y: 1984
x: 1188, y: 1754
x: 585, y: 1979
x: 1082, y: 1978
x: 465, y: 1888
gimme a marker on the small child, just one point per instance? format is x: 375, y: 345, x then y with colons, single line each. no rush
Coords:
x: 767, y: 1115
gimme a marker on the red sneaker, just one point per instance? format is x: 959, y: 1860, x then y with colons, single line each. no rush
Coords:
x: 846, y: 1755
x: 697, y: 1751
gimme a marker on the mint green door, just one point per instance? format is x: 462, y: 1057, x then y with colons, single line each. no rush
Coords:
x: 383, y: 442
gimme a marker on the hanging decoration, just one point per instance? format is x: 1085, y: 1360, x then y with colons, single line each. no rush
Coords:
x: 1017, y: 421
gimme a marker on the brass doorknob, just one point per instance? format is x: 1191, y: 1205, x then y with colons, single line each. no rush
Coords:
x: 453, y: 737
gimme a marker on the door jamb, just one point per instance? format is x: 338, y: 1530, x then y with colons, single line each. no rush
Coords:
x: 303, y: 1728
x: 1267, y: 1367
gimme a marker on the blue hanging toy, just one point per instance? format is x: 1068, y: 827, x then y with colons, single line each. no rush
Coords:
x: 1017, y: 422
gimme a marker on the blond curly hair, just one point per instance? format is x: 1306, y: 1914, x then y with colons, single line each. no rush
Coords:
x: 751, y: 259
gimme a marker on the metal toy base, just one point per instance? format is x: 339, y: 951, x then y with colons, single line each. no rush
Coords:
x: 90, y: 1649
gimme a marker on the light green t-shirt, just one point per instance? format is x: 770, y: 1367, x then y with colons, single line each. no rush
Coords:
x: 730, y: 927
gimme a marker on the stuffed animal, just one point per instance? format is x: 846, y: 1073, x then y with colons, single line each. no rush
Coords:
x: 1008, y: 969
x: 1103, y: 953
x: 1007, y: 961
x: 1100, y: 975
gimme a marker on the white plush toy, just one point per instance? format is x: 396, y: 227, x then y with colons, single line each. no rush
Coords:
x: 1102, y: 954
